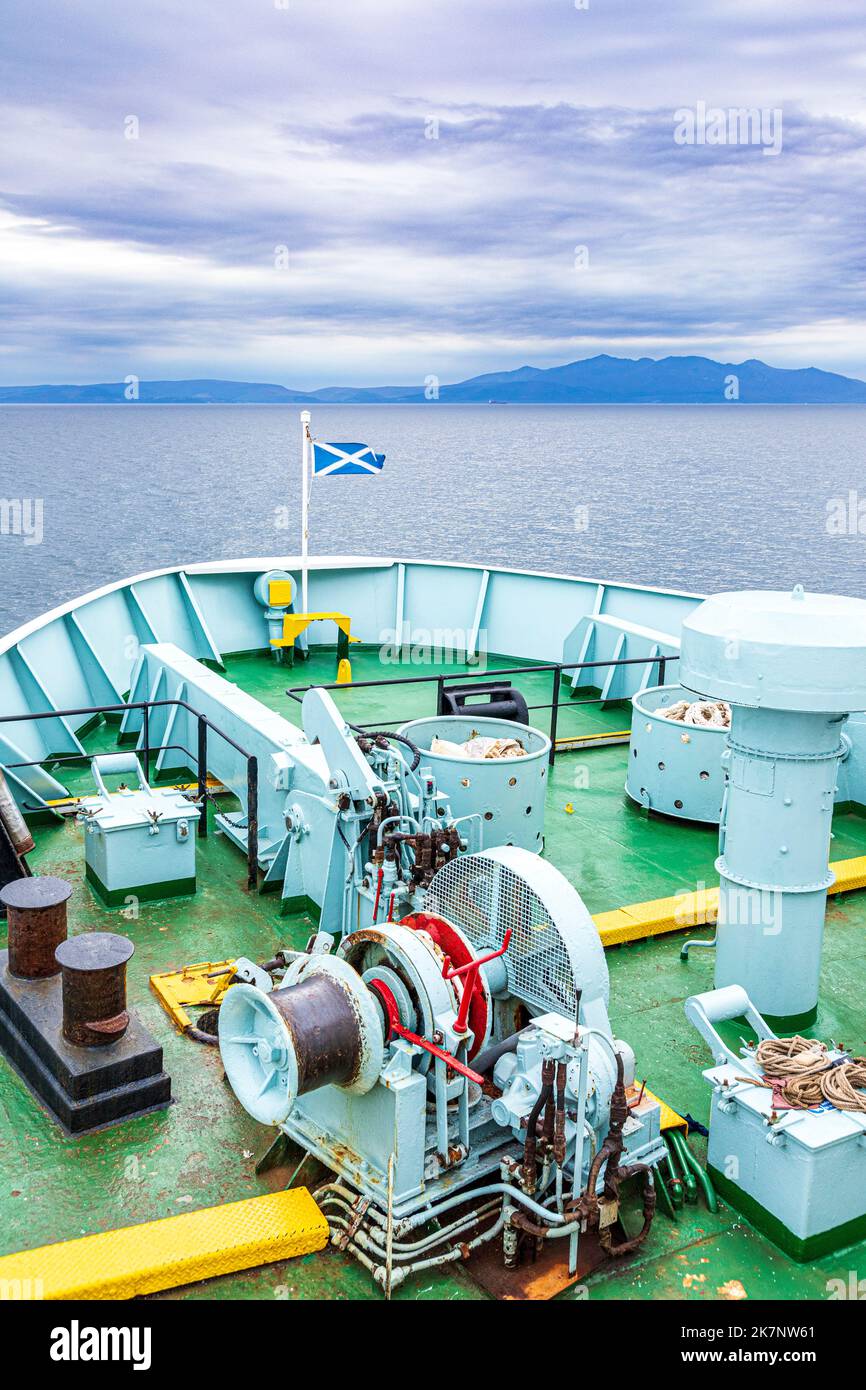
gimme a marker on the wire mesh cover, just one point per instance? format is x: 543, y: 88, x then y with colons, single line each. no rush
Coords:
x: 484, y: 898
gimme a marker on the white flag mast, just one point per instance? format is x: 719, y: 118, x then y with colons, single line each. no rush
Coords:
x: 305, y: 504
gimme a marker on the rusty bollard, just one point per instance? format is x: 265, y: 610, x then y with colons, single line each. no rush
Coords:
x: 36, y: 909
x: 94, y: 987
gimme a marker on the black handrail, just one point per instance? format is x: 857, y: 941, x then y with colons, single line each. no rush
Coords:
x: 297, y: 692
x: 199, y: 759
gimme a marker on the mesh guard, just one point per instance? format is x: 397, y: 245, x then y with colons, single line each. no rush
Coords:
x: 484, y: 897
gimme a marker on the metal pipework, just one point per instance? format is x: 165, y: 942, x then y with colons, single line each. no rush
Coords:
x: 36, y: 909
x: 16, y: 826
x: 792, y: 666
x: 94, y: 987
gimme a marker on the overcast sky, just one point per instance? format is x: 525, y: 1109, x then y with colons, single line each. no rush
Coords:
x: 378, y: 190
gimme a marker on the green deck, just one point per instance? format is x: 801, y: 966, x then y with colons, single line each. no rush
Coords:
x: 203, y: 1149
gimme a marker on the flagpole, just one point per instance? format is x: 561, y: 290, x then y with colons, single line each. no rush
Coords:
x: 305, y: 494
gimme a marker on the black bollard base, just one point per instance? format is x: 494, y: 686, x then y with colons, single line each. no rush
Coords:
x: 84, y: 1088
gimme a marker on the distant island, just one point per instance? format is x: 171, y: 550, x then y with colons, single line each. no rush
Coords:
x: 601, y: 380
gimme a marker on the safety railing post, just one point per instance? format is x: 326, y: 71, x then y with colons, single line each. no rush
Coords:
x: 202, y: 776
x: 554, y: 714
x: 252, y: 822
x: 145, y: 735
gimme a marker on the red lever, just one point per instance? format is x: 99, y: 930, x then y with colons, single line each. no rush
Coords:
x: 392, y: 1012
x: 437, y: 1052
x: 470, y: 970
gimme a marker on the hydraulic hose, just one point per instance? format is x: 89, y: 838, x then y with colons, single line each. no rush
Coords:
x: 486, y: 1060
x: 703, y: 1177
x: 545, y: 1098
x: 625, y: 1247
x: 674, y: 1141
x: 401, y: 738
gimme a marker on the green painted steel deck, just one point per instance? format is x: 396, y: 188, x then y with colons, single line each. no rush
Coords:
x: 203, y: 1149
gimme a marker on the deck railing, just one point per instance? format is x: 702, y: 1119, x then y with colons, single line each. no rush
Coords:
x: 556, y: 669
x: 197, y: 759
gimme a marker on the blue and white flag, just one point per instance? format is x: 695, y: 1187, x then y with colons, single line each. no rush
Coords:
x: 333, y: 459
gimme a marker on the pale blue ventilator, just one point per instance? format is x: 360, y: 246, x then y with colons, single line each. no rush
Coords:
x: 792, y: 666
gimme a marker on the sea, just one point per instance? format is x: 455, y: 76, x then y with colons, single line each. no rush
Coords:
x: 699, y: 498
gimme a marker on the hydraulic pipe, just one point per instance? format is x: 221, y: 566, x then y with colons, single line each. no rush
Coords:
x: 674, y: 1140
x: 688, y: 1159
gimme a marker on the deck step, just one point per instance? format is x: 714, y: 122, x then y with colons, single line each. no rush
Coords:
x: 686, y: 911
x: 176, y: 1250
x: 604, y: 739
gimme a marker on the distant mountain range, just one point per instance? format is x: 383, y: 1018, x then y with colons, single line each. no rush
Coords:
x: 593, y: 381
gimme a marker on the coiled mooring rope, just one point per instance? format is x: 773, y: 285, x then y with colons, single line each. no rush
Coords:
x: 712, y: 714
x: 844, y: 1085
x: 809, y: 1076
x: 792, y: 1056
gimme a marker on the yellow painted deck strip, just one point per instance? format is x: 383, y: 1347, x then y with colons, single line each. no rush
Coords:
x: 699, y: 909
x: 213, y: 785
x: 176, y: 1250
x: 594, y: 738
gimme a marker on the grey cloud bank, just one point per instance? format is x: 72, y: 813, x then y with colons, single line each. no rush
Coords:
x: 396, y: 190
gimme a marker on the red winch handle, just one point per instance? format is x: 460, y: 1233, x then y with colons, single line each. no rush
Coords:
x: 395, y: 1027
x: 470, y: 970
x: 438, y: 1052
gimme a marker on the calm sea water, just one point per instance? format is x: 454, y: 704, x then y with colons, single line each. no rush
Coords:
x: 691, y: 497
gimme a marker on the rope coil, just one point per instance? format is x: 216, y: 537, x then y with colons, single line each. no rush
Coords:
x: 792, y: 1056
x: 808, y: 1075
x: 844, y: 1085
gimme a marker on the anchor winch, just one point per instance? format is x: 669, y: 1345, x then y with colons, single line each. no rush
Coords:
x: 461, y: 1056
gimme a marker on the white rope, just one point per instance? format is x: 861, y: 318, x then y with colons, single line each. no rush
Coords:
x: 707, y: 714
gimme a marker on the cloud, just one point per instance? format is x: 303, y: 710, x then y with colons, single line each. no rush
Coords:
x: 432, y: 172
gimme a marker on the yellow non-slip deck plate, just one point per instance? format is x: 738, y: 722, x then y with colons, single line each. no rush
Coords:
x: 176, y: 1250
x: 700, y: 909
x: 669, y: 1118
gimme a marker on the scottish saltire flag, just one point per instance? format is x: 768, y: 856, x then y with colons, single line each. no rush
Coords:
x: 332, y: 459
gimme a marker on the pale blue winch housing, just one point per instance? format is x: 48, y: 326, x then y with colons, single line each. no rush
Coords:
x: 674, y: 768
x: 792, y: 666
